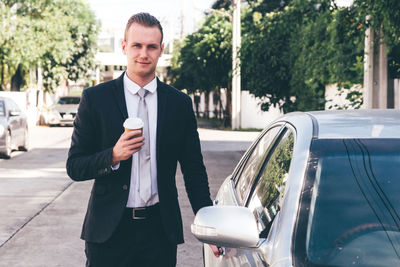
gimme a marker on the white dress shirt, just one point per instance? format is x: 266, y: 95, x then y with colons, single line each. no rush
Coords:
x: 132, y: 104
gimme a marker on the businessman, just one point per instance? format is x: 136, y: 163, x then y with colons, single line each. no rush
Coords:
x: 133, y: 216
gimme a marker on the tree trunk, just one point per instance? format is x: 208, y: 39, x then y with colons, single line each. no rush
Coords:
x: 216, y: 101
x: 228, y: 108
x: 207, y: 104
x: 17, y: 80
x: 2, y: 72
x: 221, y: 107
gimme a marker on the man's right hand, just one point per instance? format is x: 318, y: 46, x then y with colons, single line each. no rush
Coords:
x: 128, y: 144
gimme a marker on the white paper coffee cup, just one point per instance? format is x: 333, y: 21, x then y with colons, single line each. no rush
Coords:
x: 131, y: 124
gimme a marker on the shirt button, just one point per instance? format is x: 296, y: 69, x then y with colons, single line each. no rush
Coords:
x: 125, y: 187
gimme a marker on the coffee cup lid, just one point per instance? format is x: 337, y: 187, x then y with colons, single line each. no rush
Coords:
x: 133, y: 123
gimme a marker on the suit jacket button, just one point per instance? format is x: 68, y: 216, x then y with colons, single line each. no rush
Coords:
x: 125, y: 187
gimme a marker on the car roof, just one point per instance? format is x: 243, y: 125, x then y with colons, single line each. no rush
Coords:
x: 361, y: 123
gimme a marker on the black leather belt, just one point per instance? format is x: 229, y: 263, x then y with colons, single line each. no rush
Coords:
x: 144, y: 212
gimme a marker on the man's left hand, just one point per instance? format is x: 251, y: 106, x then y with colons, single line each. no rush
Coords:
x: 218, y: 251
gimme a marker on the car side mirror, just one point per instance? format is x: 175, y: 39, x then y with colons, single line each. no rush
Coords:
x: 226, y: 226
x: 14, y: 113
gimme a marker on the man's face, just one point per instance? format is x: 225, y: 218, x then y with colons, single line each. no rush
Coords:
x: 142, y: 48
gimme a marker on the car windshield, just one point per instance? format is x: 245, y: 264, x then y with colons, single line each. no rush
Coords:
x: 69, y: 101
x: 354, y: 205
x: 2, y: 112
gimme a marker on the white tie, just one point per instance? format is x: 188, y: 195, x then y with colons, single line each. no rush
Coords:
x: 144, y: 153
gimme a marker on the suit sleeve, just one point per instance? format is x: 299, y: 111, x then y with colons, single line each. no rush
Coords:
x: 191, y: 161
x: 85, y: 161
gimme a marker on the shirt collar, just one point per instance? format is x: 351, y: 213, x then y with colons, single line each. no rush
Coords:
x: 133, y: 87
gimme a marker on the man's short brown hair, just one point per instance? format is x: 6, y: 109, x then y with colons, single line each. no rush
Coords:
x: 144, y: 19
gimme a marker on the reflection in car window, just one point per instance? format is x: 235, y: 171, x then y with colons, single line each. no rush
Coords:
x: 265, y: 201
x: 355, y: 203
x: 2, y: 108
x: 252, y: 167
x: 69, y: 101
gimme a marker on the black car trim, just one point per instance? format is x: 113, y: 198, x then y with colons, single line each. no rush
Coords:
x: 299, y: 254
x: 315, y: 126
x: 239, y: 168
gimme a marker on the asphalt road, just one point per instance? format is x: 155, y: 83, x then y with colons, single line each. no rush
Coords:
x: 42, y: 210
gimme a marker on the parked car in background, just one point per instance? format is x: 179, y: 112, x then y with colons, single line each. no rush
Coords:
x: 315, y: 189
x: 64, y: 111
x: 13, y: 128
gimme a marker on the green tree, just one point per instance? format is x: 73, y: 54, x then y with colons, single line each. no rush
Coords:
x: 291, y: 54
x: 383, y: 15
x: 57, y: 35
x: 72, y: 56
x: 204, y: 60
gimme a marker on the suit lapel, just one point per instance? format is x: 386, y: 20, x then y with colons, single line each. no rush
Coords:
x: 120, y: 96
x: 162, y: 94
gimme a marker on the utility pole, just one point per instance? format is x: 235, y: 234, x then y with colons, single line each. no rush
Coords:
x: 236, y: 90
x: 375, y: 71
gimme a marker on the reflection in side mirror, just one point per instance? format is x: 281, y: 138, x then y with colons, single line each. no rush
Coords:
x: 226, y: 226
x: 14, y: 113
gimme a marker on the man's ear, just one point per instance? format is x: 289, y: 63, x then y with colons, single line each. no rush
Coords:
x: 123, y: 45
x: 162, y: 49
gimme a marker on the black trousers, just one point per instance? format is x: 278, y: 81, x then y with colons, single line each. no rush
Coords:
x: 141, y: 243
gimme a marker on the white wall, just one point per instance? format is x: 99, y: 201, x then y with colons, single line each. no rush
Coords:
x: 397, y: 93
x: 251, y: 114
x: 336, y: 99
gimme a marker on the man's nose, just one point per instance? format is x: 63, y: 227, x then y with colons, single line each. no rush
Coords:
x: 143, y: 52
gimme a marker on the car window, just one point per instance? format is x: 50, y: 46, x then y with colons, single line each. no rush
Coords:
x: 352, y: 212
x: 265, y: 200
x: 13, y: 105
x: 69, y: 101
x: 2, y: 108
x: 253, y: 164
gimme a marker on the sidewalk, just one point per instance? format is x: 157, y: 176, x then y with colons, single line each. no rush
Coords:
x: 51, y: 235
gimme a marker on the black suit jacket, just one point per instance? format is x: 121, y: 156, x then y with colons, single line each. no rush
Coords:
x: 98, y: 126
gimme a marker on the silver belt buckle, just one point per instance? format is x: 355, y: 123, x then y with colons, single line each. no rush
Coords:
x: 135, y: 217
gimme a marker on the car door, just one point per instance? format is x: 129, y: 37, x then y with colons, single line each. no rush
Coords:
x: 16, y: 121
x: 267, y: 193
x: 236, y: 189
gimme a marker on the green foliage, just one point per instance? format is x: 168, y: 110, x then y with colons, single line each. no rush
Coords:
x: 290, y: 55
x: 383, y: 15
x: 60, y: 36
x: 204, y: 59
x: 267, y: 6
x: 291, y: 49
x: 394, y: 62
x: 273, y: 178
x: 222, y: 4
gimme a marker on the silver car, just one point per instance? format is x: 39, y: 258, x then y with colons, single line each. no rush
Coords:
x: 64, y: 111
x: 315, y: 189
x: 13, y: 128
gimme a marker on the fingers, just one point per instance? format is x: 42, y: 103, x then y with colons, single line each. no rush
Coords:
x: 134, y: 147
x: 128, y: 144
x: 130, y: 134
x: 215, y: 250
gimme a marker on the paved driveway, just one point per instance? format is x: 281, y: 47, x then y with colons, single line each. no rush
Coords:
x: 42, y: 209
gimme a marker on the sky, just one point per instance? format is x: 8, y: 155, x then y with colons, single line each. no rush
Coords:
x: 176, y: 16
